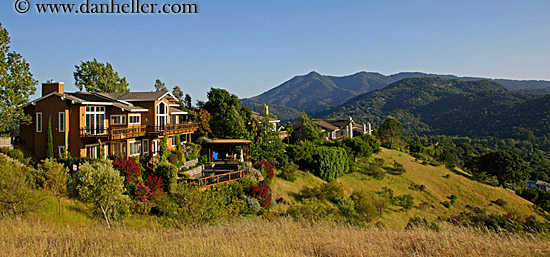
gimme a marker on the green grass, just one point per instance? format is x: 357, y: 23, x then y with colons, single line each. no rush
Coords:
x: 437, y: 190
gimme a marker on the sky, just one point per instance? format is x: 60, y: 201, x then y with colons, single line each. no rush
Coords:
x: 251, y: 46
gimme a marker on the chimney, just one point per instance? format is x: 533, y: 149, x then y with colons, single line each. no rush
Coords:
x: 266, y: 109
x: 369, y: 128
x: 364, y: 128
x: 52, y: 86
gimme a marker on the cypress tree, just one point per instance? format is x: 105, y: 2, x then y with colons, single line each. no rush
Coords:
x: 49, y: 140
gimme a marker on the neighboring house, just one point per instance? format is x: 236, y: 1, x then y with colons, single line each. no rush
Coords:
x: 273, y: 121
x: 124, y: 124
x: 338, y: 129
x: 538, y: 184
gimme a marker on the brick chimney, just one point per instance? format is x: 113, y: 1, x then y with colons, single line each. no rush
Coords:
x: 52, y: 86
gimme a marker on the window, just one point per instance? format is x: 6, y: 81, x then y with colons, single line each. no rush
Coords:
x: 38, y: 122
x: 162, y: 115
x: 92, y: 151
x: 173, y: 119
x: 145, y: 146
x: 173, y: 139
x: 62, y: 122
x: 134, y: 119
x: 118, y: 119
x: 61, y: 150
x: 95, y: 120
x: 118, y: 149
x: 135, y: 148
x: 156, y: 147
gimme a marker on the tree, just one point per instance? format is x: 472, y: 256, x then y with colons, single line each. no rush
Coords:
x: 100, y: 185
x: 16, y: 85
x: 390, y: 131
x: 267, y: 143
x: 160, y: 86
x: 331, y: 162
x: 228, y: 116
x: 202, y: 117
x: 94, y: 76
x: 49, y: 140
x: 405, y: 201
x: 178, y: 93
x: 55, y: 178
x: 507, y: 166
x: 188, y: 101
x: 308, y: 130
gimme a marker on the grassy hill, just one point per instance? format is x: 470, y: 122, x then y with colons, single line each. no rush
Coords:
x: 437, y: 190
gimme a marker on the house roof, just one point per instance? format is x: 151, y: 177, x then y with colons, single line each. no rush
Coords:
x: 325, y: 125
x: 177, y: 111
x: 339, y: 123
x: 141, y: 96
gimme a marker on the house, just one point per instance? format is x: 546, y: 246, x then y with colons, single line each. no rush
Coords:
x: 123, y: 124
x: 338, y: 129
x: 274, y: 122
x: 538, y: 184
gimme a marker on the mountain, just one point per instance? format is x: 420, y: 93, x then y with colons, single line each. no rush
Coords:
x: 314, y: 92
x: 451, y: 107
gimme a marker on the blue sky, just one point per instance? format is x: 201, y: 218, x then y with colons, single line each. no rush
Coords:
x: 250, y: 46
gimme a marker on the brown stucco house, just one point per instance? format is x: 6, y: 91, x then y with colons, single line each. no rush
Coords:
x: 124, y: 124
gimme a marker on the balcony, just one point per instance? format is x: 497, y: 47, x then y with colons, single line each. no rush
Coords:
x: 172, y: 129
x: 113, y: 133
x: 138, y: 131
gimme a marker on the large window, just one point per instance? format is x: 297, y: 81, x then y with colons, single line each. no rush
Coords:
x: 38, y: 122
x: 134, y: 119
x: 156, y: 146
x: 118, y: 119
x: 118, y: 149
x: 92, y: 151
x: 62, y: 122
x: 162, y: 115
x: 173, y: 119
x: 173, y: 139
x: 95, y: 120
x: 135, y: 148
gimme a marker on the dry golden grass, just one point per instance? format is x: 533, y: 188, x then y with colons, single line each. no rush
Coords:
x: 257, y: 237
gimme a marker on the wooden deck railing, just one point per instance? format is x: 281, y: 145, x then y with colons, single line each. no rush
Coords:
x: 208, y: 182
x: 138, y: 131
x: 114, y: 133
x: 170, y: 129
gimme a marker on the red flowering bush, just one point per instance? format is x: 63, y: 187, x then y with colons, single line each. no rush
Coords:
x: 154, y: 183
x: 142, y: 192
x: 262, y: 192
x: 267, y: 167
x: 128, y: 168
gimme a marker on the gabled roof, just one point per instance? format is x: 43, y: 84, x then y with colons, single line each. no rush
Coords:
x: 325, y: 125
x: 141, y: 96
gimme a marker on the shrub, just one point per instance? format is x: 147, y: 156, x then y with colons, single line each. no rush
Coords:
x: 173, y: 157
x: 418, y: 187
x: 453, y: 199
x: 128, y: 168
x: 168, y: 173
x: 311, y: 209
x: 376, y: 172
x: 418, y: 222
x: 379, y: 162
x: 143, y: 192
x: 500, y: 202
x: 447, y: 176
x: 253, y: 205
x: 16, y: 194
x: 398, y: 168
x: 331, y: 163
x: 53, y: 177
x: 447, y: 204
x: 332, y: 191
x: 404, y: 201
x: 194, y: 207
x: 261, y: 192
x: 367, y: 206
x: 288, y: 171
x: 15, y: 154
x: 266, y: 168
x: 100, y: 185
